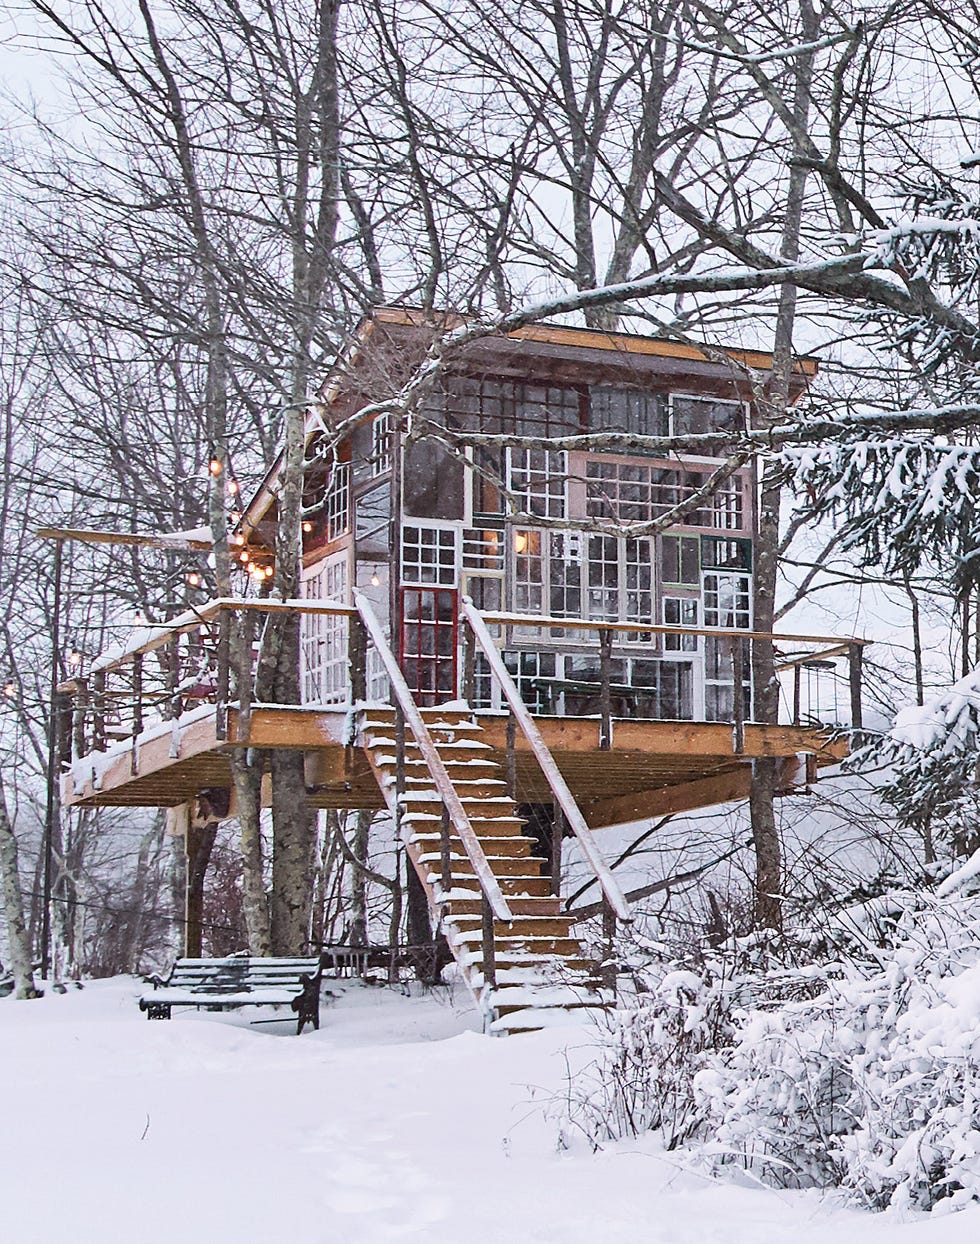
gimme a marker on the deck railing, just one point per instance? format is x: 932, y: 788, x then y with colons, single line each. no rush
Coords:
x: 560, y: 666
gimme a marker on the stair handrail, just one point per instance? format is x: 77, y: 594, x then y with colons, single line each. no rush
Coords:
x: 559, y: 787
x: 437, y: 769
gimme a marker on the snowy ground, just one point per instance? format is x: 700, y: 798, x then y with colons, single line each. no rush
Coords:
x: 397, y: 1121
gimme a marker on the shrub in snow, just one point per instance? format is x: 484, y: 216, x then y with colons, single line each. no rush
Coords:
x: 861, y: 1072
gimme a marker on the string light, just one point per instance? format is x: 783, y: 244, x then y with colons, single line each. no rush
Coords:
x: 74, y: 657
x: 235, y: 516
x: 375, y: 581
x: 232, y: 487
x: 10, y: 690
x: 307, y: 527
x: 244, y: 557
x: 194, y: 579
x: 269, y: 572
x: 214, y: 466
x: 239, y: 540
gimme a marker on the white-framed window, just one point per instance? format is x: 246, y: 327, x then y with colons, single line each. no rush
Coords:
x: 691, y: 415
x: 538, y: 480
x: 570, y: 574
x: 381, y: 445
x: 323, y: 637
x: 337, y: 501
x: 430, y: 556
x: 634, y: 492
x: 680, y: 611
x: 727, y: 599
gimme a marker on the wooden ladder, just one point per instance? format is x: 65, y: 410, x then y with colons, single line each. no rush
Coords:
x: 540, y: 974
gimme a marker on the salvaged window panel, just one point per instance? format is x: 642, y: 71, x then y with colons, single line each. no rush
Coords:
x: 381, y: 445
x: 323, y: 637
x: 680, y: 560
x: 628, y: 411
x: 692, y: 416
x: 631, y: 492
x: 430, y: 555
x: 433, y: 481
x: 538, y: 481
x: 337, y: 501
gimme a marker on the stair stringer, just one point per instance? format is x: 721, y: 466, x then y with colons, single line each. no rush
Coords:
x: 543, y: 973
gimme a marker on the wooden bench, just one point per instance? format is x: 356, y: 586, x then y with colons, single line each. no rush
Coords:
x: 226, y: 984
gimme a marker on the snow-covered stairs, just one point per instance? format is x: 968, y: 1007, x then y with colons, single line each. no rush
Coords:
x: 543, y: 976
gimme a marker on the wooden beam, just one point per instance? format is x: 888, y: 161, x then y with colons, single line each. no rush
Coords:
x: 142, y: 539
x: 687, y: 796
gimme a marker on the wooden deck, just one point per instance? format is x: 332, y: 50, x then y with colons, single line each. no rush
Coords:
x: 651, y: 769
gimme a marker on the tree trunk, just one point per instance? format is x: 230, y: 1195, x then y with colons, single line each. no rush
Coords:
x: 358, y: 906
x: 765, y: 832
x: 200, y: 841
x: 13, y: 907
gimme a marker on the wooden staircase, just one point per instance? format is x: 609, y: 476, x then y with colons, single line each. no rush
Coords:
x: 542, y: 974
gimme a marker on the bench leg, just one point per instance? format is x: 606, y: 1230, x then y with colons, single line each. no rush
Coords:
x: 158, y: 1010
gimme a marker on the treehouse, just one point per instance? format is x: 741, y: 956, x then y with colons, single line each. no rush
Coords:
x: 522, y: 619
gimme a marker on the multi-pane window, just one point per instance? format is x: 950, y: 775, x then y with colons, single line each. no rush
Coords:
x: 568, y: 574
x: 680, y: 560
x: 429, y: 555
x: 538, y: 480
x: 629, y: 411
x: 690, y: 416
x: 727, y: 600
x: 631, y: 492
x: 324, y: 636
x: 483, y: 550
x: 680, y: 611
x: 337, y: 501
x: 381, y: 445
x: 483, y: 404
x: 722, y: 554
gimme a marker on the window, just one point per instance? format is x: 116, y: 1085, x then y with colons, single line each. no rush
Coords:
x: 483, y: 550
x: 680, y: 560
x: 323, y: 637
x: 381, y: 445
x: 372, y: 516
x: 630, y: 492
x: 485, y: 404
x: 433, y: 481
x: 629, y: 411
x: 337, y: 501
x: 727, y: 600
x: 690, y: 416
x: 720, y: 554
x: 538, y: 479
x: 568, y: 574
x: 680, y: 611
x: 429, y: 556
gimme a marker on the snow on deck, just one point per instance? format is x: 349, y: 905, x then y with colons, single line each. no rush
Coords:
x: 397, y: 1121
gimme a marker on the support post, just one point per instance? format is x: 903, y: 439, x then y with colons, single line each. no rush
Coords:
x: 469, y: 666
x: 445, y: 862
x: 489, y: 949
x: 557, y: 834
x: 137, y: 712
x: 855, y: 657
x: 357, y: 658
x: 605, y: 690
x: 608, y: 946
x: 98, y: 711
x: 797, y: 679
x: 511, y: 767
x: 738, y: 700
x: 224, y: 676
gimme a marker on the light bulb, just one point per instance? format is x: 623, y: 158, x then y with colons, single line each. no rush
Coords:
x: 214, y: 466
x: 375, y: 581
x: 239, y: 540
x: 232, y: 487
x: 269, y: 572
x: 244, y: 557
x: 194, y: 579
x: 10, y: 690
x: 74, y: 657
x: 307, y: 527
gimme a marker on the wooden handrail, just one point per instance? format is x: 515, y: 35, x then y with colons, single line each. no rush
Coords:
x: 437, y: 769
x: 653, y: 628
x: 546, y: 762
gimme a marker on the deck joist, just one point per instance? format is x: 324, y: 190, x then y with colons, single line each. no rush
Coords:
x: 652, y: 768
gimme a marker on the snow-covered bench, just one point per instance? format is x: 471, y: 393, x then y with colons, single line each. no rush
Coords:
x: 225, y: 984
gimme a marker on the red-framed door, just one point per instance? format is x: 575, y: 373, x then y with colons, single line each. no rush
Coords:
x: 429, y: 642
